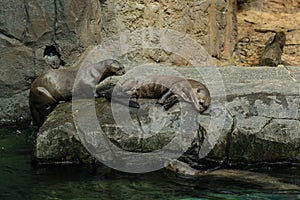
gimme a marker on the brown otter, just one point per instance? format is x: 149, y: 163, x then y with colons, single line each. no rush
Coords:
x: 56, y: 85
x: 273, y: 50
x: 184, y: 171
x: 167, y: 89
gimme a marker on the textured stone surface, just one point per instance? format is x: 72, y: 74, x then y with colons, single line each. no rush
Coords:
x: 57, y: 136
x: 14, y: 109
x: 17, y: 66
x: 33, y: 30
x: 26, y: 29
x: 211, y: 23
x: 261, y: 121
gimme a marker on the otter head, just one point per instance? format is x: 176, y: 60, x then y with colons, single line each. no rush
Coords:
x: 203, y: 97
x: 280, y: 36
x: 116, y: 67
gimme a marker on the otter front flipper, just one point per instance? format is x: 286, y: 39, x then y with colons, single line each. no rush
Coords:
x: 169, y: 102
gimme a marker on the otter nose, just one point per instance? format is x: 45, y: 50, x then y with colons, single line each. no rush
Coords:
x: 121, y: 71
x: 203, y: 107
x: 201, y: 102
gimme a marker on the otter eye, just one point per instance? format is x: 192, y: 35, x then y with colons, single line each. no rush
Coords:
x: 198, y: 90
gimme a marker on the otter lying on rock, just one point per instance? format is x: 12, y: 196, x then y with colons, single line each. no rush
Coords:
x: 56, y: 85
x: 167, y: 89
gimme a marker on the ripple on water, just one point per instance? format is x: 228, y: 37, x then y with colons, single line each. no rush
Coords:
x: 20, y: 180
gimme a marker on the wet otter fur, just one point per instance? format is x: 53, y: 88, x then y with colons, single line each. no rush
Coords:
x: 56, y: 85
x: 167, y: 89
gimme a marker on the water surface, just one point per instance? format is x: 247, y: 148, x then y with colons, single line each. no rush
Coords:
x: 19, y: 179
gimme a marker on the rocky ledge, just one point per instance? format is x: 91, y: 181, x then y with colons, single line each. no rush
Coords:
x: 253, y: 119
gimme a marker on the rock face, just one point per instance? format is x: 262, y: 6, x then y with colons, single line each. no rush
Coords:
x: 265, y: 108
x: 35, y: 34
x: 32, y: 30
x: 212, y: 23
x: 254, y: 118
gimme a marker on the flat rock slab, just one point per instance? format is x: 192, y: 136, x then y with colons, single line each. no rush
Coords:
x: 254, y: 118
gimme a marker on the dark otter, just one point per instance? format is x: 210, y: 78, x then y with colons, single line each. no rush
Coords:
x: 273, y: 50
x: 167, y: 89
x: 57, y: 84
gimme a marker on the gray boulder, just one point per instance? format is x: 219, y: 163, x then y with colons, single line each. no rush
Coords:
x: 253, y: 118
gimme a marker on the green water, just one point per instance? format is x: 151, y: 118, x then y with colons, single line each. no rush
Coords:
x: 20, y: 180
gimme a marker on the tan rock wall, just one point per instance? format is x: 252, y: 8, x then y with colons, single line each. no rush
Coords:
x: 212, y: 23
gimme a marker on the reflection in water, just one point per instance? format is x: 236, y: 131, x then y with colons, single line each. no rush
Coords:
x: 20, y: 180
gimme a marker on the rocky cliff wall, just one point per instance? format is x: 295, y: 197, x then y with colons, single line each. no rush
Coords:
x: 210, y: 22
x: 30, y: 31
x: 35, y: 34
